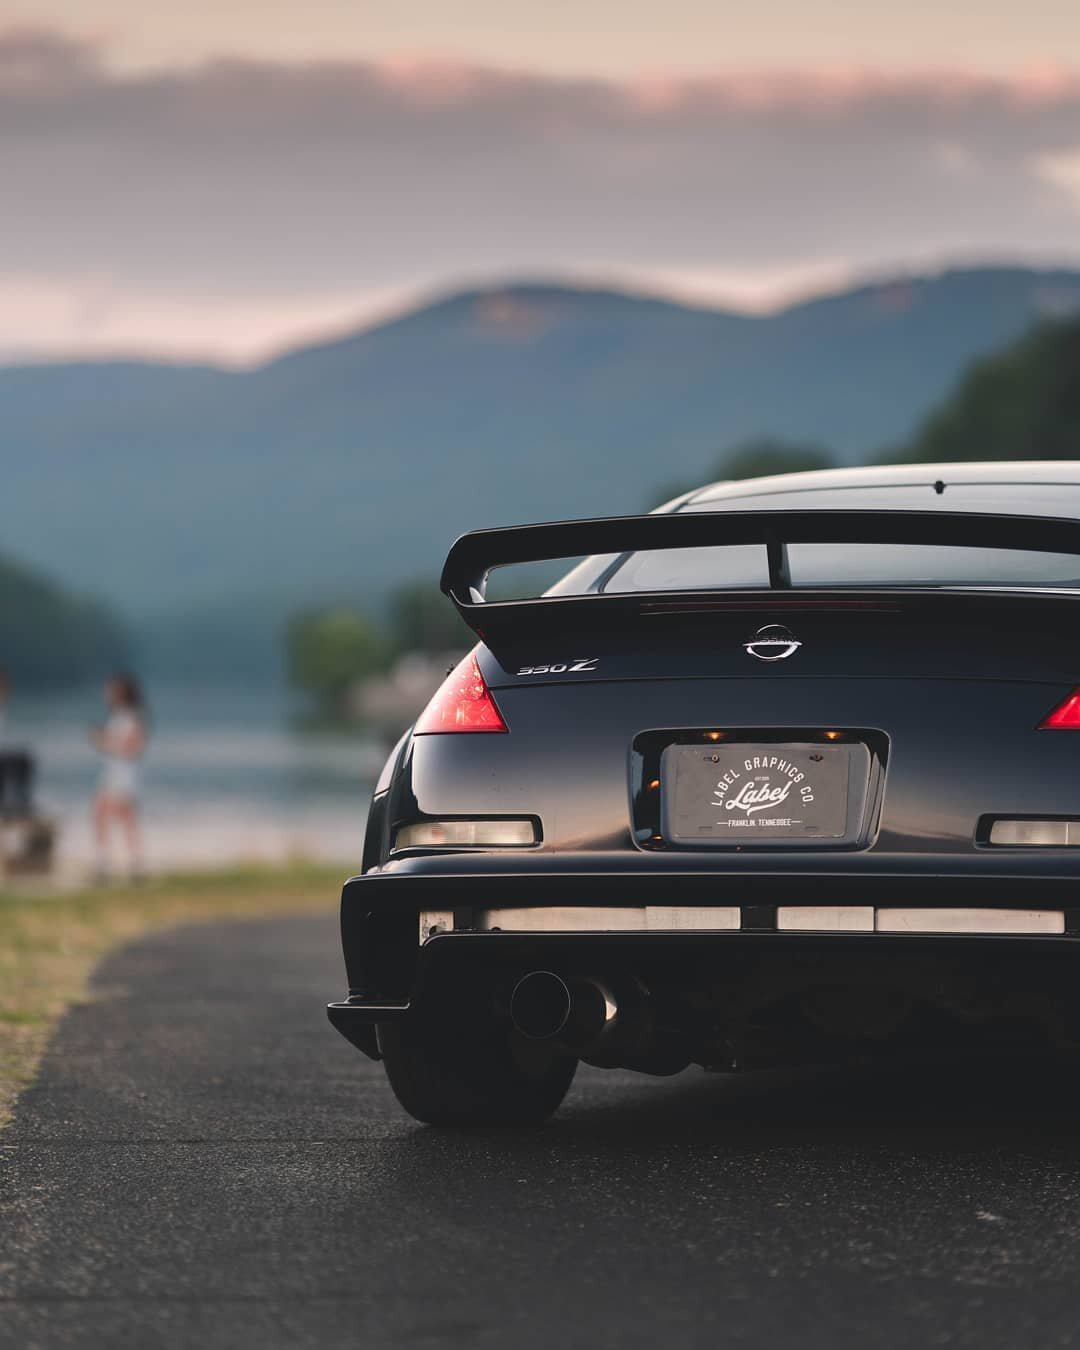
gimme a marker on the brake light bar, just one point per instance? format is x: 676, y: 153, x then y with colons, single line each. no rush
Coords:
x: 1065, y: 717
x: 463, y: 702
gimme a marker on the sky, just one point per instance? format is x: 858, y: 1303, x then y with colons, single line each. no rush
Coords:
x: 221, y: 180
x: 614, y: 38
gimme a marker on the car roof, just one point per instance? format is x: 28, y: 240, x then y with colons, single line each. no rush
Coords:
x: 831, y: 486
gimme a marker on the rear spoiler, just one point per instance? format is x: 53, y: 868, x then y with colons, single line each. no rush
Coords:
x: 474, y: 555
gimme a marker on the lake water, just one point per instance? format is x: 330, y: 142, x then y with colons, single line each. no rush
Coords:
x: 228, y: 777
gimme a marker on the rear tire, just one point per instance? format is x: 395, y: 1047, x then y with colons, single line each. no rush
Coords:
x: 474, y: 1072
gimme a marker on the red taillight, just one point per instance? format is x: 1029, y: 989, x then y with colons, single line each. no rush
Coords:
x: 1065, y: 717
x: 463, y: 703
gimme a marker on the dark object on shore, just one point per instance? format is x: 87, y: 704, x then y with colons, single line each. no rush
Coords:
x: 16, y: 783
x: 27, y: 838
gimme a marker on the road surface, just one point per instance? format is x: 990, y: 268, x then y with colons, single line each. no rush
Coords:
x: 204, y: 1162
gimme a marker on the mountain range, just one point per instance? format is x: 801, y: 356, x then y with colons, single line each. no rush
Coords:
x: 206, y: 504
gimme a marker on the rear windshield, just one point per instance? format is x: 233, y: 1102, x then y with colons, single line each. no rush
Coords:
x: 746, y: 565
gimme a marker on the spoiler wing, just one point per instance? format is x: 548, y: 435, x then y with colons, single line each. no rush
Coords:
x: 474, y: 555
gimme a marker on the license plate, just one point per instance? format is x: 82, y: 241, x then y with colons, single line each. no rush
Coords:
x: 748, y: 793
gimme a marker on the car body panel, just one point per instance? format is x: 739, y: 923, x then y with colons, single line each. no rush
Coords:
x: 955, y: 745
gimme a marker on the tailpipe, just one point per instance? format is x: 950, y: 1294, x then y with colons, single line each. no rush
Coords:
x: 578, y: 1013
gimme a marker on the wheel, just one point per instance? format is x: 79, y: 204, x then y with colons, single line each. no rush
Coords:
x: 475, y: 1071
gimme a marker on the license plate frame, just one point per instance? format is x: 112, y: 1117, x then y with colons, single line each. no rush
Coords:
x: 760, y: 794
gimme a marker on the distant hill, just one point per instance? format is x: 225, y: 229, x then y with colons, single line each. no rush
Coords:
x: 50, y: 638
x: 207, y: 504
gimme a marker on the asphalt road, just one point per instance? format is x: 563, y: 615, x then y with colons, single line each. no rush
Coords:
x: 204, y: 1162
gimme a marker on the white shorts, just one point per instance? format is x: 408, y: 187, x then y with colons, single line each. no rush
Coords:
x: 120, y: 778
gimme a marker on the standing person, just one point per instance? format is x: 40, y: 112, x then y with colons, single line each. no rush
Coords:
x: 121, y: 741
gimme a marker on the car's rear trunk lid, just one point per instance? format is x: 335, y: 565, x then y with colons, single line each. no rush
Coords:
x: 947, y: 634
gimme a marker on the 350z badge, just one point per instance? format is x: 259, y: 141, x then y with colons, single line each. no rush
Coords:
x: 562, y: 667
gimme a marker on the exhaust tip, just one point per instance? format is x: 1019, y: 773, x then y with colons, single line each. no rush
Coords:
x: 540, y: 1005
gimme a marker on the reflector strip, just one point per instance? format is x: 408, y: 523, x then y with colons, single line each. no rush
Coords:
x: 573, y: 919
x: 434, y: 921
x: 970, y: 921
x: 826, y: 918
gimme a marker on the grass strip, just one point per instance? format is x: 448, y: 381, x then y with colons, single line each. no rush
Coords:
x: 51, y: 941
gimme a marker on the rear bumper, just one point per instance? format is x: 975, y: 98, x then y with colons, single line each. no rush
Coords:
x: 403, y: 922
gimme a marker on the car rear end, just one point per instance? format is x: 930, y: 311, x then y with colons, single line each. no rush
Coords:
x: 738, y: 825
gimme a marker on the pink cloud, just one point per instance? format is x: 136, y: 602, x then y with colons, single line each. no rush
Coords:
x: 252, y: 182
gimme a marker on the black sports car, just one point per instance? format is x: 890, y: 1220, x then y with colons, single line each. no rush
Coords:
x: 774, y: 775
